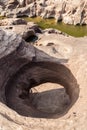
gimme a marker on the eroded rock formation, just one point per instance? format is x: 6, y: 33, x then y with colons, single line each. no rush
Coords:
x: 59, y: 59
x: 31, y: 68
x: 68, y: 11
x: 53, y: 58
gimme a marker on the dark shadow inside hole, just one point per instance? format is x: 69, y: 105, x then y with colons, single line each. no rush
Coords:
x: 23, y: 96
x: 50, y: 101
x: 33, y: 82
x: 32, y: 38
x: 25, y: 89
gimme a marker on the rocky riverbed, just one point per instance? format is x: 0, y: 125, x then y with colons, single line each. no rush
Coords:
x: 42, y: 82
x: 43, y: 73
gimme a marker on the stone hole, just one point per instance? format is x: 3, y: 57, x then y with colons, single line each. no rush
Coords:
x: 42, y: 90
x: 31, y: 38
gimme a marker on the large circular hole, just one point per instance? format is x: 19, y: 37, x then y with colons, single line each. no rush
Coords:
x: 42, y: 89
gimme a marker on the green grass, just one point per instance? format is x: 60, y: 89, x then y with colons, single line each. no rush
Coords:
x: 2, y: 17
x: 76, y: 31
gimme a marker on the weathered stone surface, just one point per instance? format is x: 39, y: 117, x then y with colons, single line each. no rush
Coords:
x: 21, y: 27
x: 12, y: 21
x: 49, y: 12
x: 21, y: 60
x: 1, y: 8
x: 70, y: 12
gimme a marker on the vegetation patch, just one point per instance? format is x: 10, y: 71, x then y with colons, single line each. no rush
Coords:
x: 2, y: 17
x: 76, y: 31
